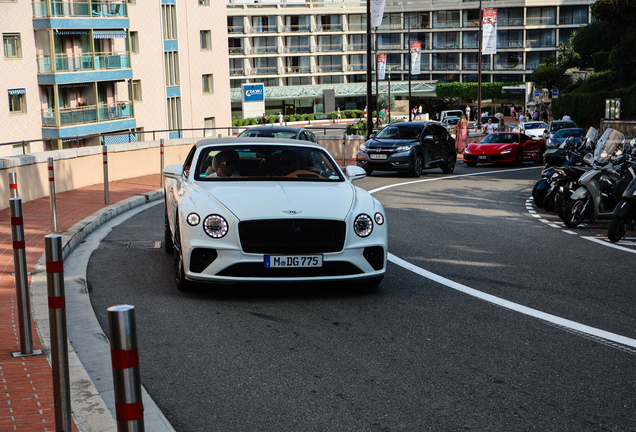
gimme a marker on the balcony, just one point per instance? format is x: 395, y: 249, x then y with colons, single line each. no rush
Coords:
x: 569, y: 20
x: 424, y: 46
x: 328, y: 68
x: 357, y: 67
x: 328, y: 47
x: 88, y: 114
x: 471, y: 45
x: 83, y: 62
x: 510, y: 22
x: 445, y: 45
x: 539, y: 44
x: 237, y: 72
x: 297, y: 69
x: 445, y: 66
x: 474, y: 66
x: 296, y: 28
x: 264, y: 50
x: 264, y: 29
x: 297, y: 49
x: 540, y: 20
x: 236, y: 50
x: 235, y: 29
x: 357, y: 47
x: 328, y: 27
x: 358, y: 27
x: 269, y: 70
x: 509, y: 66
x: 109, y: 9
x: 510, y: 44
x: 389, y: 46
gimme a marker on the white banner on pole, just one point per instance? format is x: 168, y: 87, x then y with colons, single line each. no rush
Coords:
x: 416, y: 51
x: 377, y: 11
x: 489, y: 31
x: 381, y: 66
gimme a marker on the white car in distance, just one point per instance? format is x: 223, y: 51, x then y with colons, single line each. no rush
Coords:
x: 534, y: 129
x: 270, y: 210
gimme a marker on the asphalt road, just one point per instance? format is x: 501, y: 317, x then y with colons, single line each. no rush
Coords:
x: 422, y: 352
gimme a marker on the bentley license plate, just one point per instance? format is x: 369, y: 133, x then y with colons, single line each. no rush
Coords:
x: 293, y: 261
x: 378, y: 156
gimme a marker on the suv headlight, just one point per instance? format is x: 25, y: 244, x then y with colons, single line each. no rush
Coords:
x: 403, y: 148
x: 363, y: 225
x: 363, y: 147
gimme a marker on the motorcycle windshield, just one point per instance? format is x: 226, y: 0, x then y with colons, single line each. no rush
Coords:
x: 591, y: 134
x: 607, y: 145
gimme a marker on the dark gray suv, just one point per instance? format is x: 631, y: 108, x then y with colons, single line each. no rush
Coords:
x: 409, y: 147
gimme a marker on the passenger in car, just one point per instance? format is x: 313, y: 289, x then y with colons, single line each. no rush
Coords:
x: 224, y: 164
x: 287, y: 165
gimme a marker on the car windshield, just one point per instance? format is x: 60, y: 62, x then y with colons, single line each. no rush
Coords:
x: 268, y: 134
x: 452, y: 121
x: 555, y: 126
x: 564, y: 133
x: 401, y: 132
x: 266, y: 163
x: 539, y: 125
x: 500, y: 138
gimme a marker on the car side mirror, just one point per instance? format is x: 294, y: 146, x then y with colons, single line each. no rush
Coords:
x: 355, y: 172
x: 428, y: 137
x: 173, y: 171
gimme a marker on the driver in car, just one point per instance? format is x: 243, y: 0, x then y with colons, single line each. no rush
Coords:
x: 225, y: 164
x: 287, y: 165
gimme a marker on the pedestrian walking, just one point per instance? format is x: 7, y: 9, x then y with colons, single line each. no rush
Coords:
x: 419, y: 112
x: 567, y: 117
x: 512, y: 112
x: 467, y: 111
x: 365, y: 112
x: 490, y: 127
x: 522, y: 118
x: 338, y: 115
x: 461, y: 134
x: 544, y: 115
x: 380, y: 115
x: 280, y: 118
x: 264, y: 118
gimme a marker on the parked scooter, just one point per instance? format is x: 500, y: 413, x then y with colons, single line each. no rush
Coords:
x: 603, y: 185
x: 625, y: 212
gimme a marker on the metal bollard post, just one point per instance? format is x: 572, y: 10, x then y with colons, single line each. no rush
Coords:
x: 21, y: 280
x: 105, y: 153
x: 162, y: 160
x: 57, y: 324
x: 219, y: 136
x: 344, y: 153
x: 52, y: 195
x: 13, y: 184
x: 124, y: 354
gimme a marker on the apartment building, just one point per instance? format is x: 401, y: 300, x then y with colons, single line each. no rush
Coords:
x: 305, y: 46
x: 75, y: 68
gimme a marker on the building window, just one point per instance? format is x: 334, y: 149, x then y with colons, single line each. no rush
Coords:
x: 204, y: 2
x: 509, y: 17
x: 573, y: 15
x: 11, y: 43
x: 297, y: 23
x: 235, y: 25
x: 357, y: 22
x: 17, y: 101
x: 136, y: 90
x: 329, y: 23
x: 264, y: 24
x: 540, y: 38
x: 541, y: 16
x: 134, y: 42
x: 169, y: 22
x: 206, y: 40
x: 174, y: 113
x: 208, y: 84
x: 171, y: 66
x: 470, y: 18
x: 210, y: 125
x: 445, y: 19
x: 330, y: 43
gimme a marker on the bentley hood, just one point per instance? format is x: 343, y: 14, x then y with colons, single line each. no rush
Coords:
x: 276, y: 200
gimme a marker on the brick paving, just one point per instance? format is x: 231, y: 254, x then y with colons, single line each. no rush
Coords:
x: 26, y: 386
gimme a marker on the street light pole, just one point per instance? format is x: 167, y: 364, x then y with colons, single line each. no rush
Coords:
x: 410, y: 67
x: 377, y: 73
x: 481, y: 20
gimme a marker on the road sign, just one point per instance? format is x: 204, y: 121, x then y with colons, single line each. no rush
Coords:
x: 537, y: 93
x: 555, y: 93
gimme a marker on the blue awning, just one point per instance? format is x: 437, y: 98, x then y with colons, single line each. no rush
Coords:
x: 74, y: 85
x: 108, y: 34
x: 17, y: 91
x: 70, y: 32
x: 119, y: 139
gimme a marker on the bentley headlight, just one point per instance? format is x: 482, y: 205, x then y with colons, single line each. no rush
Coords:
x: 379, y: 218
x: 508, y: 150
x: 363, y: 225
x: 215, y: 226
x: 193, y: 219
x: 363, y: 147
x: 403, y: 148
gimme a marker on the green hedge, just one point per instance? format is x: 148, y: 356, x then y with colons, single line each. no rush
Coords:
x: 587, y: 109
x: 458, y: 90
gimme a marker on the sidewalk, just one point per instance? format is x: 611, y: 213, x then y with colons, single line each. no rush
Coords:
x: 26, y: 387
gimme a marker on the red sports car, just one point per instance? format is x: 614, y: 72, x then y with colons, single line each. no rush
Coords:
x: 505, y: 147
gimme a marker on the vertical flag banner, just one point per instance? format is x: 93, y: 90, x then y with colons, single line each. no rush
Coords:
x: 416, y: 50
x: 489, y: 31
x: 377, y: 10
x: 381, y: 65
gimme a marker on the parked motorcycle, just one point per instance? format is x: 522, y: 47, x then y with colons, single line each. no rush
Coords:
x: 625, y: 212
x: 602, y: 186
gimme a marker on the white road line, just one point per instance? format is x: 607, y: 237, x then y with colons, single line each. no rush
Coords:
x: 569, y: 232
x: 555, y: 226
x: 608, y: 244
x: 553, y: 319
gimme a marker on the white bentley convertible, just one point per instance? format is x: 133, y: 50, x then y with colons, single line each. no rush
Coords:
x: 254, y: 210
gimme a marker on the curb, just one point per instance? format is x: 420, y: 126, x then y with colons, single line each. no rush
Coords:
x: 91, y: 412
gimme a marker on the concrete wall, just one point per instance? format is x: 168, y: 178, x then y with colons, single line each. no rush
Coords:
x: 76, y: 168
x: 626, y: 127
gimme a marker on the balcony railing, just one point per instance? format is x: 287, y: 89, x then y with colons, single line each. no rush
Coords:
x: 296, y: 28
x: 510, y: 22
x: 539, y: 44
x: 474, y: 66
x: 470, y: 44
x: 297, y: 49
x: 566, y: 20
x: 109, y: 9
x: 532, y: 65
x: 425, y: 46
x: 356, y: 67
x: 236, y: 50
x: 261, y: 29
x: 88, y: 114
x: 446, y: 24
x: 328, y: 68
x: 84, y: 62
x: 389, y: 46
x: 357, y: 47
x: 445, y: 45
x: 270, y: 70
x: 328, y: 27
x: 445, y: 66
x: 509, y: 66
x: 471, y: 23
x: 540, y: 20
x: 297, y: 69
x: 357, y: 27
x: 235, y: 29
x: 328, y: 47
x: 264, y: 50
x: 237, y: 71
x: 510, y: 44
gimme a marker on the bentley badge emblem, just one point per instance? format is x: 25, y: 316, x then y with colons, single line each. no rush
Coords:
x: 292, y: 212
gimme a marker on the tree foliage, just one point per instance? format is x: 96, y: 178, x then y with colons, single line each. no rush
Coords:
x: 617, y: 11
x: 458, y: 90
x: 548, y: 76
